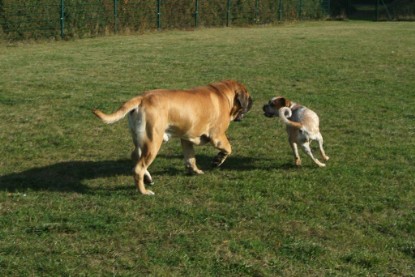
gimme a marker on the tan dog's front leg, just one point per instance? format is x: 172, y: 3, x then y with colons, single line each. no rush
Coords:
x: 221, y: 143
x: 189, y: 158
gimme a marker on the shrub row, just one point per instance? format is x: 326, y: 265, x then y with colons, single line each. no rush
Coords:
x: 28, y: 19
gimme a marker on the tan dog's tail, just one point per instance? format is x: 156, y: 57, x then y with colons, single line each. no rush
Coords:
x: 121, y: 112
x: 284, y: 113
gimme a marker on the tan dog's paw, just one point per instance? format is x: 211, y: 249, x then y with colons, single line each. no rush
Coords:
x: 326, y: 158
x: 219, y: 159
x: 148, y: 180
x: 149, y: 192
x: 192, y: 171
x: 198, y: 172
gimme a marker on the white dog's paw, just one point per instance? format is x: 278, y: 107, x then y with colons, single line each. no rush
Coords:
x: 320, y: 164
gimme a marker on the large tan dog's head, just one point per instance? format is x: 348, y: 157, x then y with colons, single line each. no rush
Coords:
x: 238, y: 95
x: 274, y: 105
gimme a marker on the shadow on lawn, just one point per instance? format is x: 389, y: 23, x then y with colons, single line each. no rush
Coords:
x: 69, y: 176
x: 64, y: 176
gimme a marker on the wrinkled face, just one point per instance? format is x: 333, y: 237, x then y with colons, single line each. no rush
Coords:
x: 272, y: 108
x: 242, y: 103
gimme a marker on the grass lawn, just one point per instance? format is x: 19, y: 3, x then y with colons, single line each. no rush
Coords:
x: 68, y: 206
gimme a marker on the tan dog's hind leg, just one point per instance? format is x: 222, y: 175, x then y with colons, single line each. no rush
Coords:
x: 148, y: 154
x: 189, y: 158
x: 135, y: 156
x: 222, y: 144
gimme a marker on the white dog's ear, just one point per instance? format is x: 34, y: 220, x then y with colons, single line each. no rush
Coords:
x: 280, y: 102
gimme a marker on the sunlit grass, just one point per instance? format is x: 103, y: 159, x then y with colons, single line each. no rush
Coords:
x: 67, y: 201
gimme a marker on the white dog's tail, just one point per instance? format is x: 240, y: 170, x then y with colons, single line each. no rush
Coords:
x: 286, y: 112
x: 121, y: 112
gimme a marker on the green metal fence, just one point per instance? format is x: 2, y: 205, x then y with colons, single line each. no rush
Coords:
x: 32, y: 19
x: 376, y: 10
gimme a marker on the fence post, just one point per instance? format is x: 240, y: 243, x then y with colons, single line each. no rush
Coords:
x: 328, y: 8
x: 279, y: 10
x: 256, y: 11
x: 62, y: 18
x: 115, y: 16
x: 196, y: 12
x: 158, y: 15
x: 377, y: 10
x: 300, y: 9
x: 228, y: 12
x: 325, y: 6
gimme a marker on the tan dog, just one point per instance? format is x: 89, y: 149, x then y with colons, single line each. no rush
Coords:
x: 302, y: 126
x: 197, y: 116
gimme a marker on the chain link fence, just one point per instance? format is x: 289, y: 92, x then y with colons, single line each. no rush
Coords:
x: 39, y: 19
x: 377, y: 10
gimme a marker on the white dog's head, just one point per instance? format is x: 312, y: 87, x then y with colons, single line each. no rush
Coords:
x: 272, y: 108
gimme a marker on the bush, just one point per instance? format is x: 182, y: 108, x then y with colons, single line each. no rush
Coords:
x: 27, y: 19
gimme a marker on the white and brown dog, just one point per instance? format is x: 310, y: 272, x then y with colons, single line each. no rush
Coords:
x: 302, y: 126
x: 197, y: 116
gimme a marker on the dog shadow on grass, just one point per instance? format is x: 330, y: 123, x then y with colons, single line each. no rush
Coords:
x: 63, y: 176
x: 70, y: 176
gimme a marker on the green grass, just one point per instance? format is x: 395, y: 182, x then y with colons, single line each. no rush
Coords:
x: 68, y: 206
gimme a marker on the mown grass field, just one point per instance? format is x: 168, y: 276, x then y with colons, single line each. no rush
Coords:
x: 68, y: 206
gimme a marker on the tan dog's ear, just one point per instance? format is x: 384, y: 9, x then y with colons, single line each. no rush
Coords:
x: 242, y: 102
x: 243, y: 99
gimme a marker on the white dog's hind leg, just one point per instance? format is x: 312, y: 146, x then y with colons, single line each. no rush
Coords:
x: 320, y: 145
x: 307, y: 150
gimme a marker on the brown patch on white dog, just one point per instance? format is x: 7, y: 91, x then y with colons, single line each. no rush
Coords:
x: 196, y: 116
x: 302, y: 125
